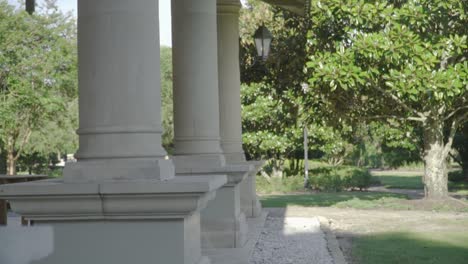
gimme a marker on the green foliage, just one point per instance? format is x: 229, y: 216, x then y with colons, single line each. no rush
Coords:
x: 33, y: 163
x: 333, y: 143
x: 37, y: 76
x: 399, y: 62
x: 379, y: 145
x: 278, y: 103
x: 280, y: 185
x: 272, y: 108
x: 267, y: 128
x: 339, y: 178
x: 456, y: 176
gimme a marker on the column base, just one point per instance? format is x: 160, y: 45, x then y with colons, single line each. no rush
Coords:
x: 239, y: 255
x: 235, y: 157
x: 250, y: 205
x: 222, y: 222
x: 187, y: 164
x: 118, y: 169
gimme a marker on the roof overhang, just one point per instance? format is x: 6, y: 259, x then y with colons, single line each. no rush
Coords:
x: 299, y: 7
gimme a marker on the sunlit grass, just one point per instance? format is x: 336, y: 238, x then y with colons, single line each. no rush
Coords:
x: 401, y: 181
x: 412, y: 248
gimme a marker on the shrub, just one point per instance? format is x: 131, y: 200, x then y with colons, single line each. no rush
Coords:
x: 456, y: 176
x: 279, y: 185
x: 327, y: 182
x: 340, y: 178
x: 358, y: 178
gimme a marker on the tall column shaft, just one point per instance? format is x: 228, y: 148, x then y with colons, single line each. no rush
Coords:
x: 229, y: 81
x: 119, y: 79
x: 196, y: 106
x: 119, y: 91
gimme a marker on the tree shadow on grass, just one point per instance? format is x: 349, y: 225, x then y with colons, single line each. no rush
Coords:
x: 400, y: 182
x: 324, y: 199
x: 412, y: 247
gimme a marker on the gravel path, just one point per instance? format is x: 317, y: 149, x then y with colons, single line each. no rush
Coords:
x: 291, y: 240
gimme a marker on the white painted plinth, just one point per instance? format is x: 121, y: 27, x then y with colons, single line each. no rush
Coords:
x: 118, y: 169
x: 223, y: 223
x: 118, y: 222
x: 250, y: 205
x: 200, y: 164
x: 124, y: 242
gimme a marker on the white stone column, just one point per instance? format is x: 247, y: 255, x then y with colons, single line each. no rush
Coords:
x: 230, y: 104
x: 120, y: 121
x: 197, y: 119
x: 196, y: 106
x: 229, y: 80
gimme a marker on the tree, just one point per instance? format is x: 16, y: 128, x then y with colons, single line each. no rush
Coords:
x: 166, y: 99
x: 400, y: 62
x: 37, y: 74
x: 272, y: 90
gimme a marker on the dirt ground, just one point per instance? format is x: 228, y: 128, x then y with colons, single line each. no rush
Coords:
x: 350, y: 223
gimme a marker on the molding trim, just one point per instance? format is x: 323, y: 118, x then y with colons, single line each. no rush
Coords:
x: 55, y: 200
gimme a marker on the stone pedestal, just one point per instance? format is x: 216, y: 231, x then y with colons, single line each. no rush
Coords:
x: 250, y: 205
x: 118, y: 222
x: 222, y: 221
x: 135, y: 239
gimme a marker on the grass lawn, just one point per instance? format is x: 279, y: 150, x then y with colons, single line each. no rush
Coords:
x: 412, y: 181
x: 412, y: 247
x: 362, y: 200
x: 400, y: 181
x: 394, y: 229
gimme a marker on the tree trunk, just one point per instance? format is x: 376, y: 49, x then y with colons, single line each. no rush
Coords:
x: 435, y: 162
x: 11, y: 163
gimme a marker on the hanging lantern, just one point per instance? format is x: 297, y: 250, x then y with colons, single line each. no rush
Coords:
x: 30, y: 6
x: 263, y: 39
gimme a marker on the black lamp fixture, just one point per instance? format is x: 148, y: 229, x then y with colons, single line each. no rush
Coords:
x: 263, y: 39
x: 30, y: 6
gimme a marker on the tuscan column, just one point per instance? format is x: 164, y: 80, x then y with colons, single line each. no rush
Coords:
x: 230, y: 104
x: 229, y: 80
x: 196, y: 105
x: 197, y: 120
x: 120, y: 202
x: 119, y: 134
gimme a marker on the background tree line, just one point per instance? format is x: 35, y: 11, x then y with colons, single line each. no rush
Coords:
x: 38, y: 87
x: 376, y: 82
